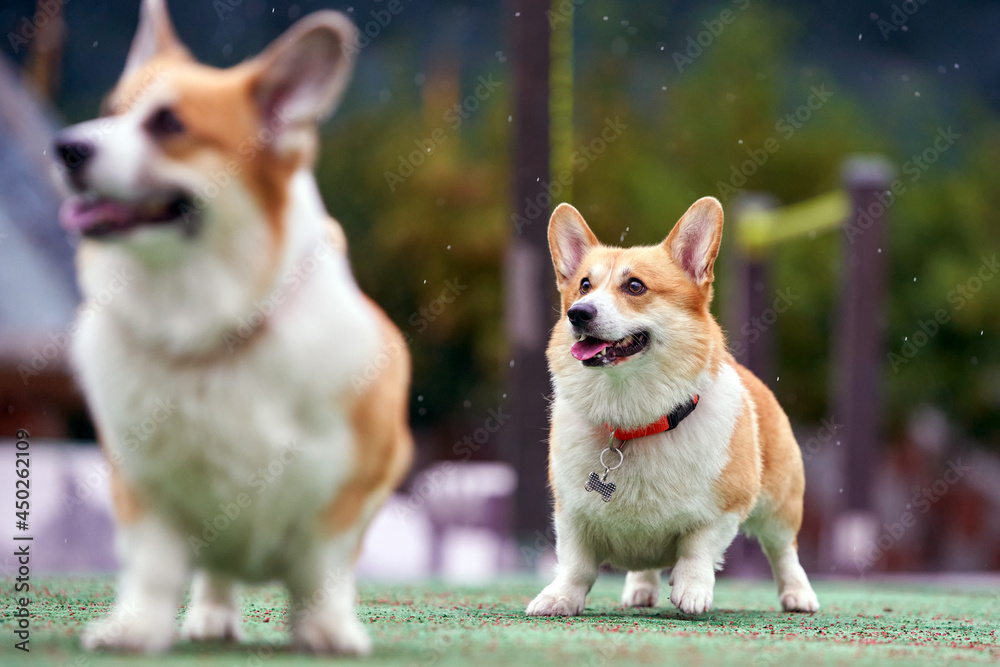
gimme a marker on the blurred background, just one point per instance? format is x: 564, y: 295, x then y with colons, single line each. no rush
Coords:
x: 853, y: 144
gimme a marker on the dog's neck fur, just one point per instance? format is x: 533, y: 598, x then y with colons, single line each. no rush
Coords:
x: 188, y: 299
x: 637, y: 394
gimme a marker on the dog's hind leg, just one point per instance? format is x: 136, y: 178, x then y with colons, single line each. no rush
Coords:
x: 214, y: 612
x: 642, y: 589
x: 156, y: 567
x: 794, y: 590
x: 322, y: 592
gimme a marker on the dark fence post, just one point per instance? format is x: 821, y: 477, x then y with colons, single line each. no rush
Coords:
x: 529, y: 281
x: 858, y: 348
x: 750, y: 293
x: 744, y: 295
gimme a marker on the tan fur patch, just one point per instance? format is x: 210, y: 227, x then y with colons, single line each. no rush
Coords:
x: 740, y: 481
x: 223, y: 129
x: 128, y: 506
x: 125, y: 500
x: 383, y: 445
x: 783, y: 476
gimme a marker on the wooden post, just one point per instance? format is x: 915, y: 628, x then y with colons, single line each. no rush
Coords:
x: 749, y: 295
x: 529, y: 280
x: 745, y: 295
x: 858, y: 348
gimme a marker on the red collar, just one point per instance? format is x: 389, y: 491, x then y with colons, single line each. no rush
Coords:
x: 665, y: 423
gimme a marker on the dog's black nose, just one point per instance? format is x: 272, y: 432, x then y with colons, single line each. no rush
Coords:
x: 73, y: 152
x: 581, y: 314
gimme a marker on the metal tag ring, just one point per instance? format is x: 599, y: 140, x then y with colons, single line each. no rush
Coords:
x: 621, y: 457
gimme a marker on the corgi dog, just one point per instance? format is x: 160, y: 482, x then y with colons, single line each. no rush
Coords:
x: 661, y: 447
x: 250, y: 399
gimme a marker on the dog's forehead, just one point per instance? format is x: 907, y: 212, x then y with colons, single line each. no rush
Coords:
x: 163, y: 80
x: 605, y: 262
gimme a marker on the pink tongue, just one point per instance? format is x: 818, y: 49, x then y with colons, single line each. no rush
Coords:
x: 75, y: 215
x: 587, y: 348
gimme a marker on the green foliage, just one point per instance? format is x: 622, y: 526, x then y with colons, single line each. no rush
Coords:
x: 445, y: 225
x: 688, y: 132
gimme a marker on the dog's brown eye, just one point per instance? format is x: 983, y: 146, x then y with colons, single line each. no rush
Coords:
x: 584, y: 286
x: 164, y: 123
x: 635, y: 286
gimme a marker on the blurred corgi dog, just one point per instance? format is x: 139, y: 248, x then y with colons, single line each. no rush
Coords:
x: 251, y: 400
x: 662, y: 447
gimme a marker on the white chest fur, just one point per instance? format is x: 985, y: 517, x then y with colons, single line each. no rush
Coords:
x: 665, y: 485
x: 240, y: 452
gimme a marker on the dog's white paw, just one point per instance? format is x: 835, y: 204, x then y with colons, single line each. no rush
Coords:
x: 557, y: 604
x: 212, y: 621
x: 799, y: 599
x: 331, y: 634
x: 691, y: 596
x: 124, y: 630
x: 640, y: 594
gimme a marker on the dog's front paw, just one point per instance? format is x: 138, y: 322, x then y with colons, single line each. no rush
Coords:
x: 331, y: 634
x: 691, y: 595
x: 212, y: 621
x: 124, y: 630
x: 640, y: 594
x: 799, y: 599
x: 551, y: 603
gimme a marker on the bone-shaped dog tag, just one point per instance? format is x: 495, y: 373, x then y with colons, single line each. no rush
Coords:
x: 595, y: 483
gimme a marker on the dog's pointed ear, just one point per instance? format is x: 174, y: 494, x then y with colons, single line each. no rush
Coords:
x: 569, y: 240
x: 155, y: 35
x: 694, y: 241
x: 301, y: 76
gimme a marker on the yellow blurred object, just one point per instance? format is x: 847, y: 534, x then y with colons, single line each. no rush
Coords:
x: 759, y: 230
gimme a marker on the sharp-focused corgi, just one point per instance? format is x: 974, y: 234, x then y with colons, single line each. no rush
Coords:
x: 252, y: 402
x: 662, y: 447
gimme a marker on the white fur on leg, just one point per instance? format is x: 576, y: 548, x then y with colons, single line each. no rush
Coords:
x: 567, y: 595
x: 214, y: 612
x: 700, y: 553
x: 642, y: 589
x: 794, y: 590
x: 323, y: 594
x: 155, y: 569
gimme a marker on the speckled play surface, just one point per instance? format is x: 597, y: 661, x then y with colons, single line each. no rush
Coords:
x: 434, y: 624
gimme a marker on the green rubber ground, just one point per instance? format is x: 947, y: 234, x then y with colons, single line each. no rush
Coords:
x: 429, y: 625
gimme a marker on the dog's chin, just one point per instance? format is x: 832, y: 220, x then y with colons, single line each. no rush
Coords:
x: 96, y: 217
x: 595, y: 352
